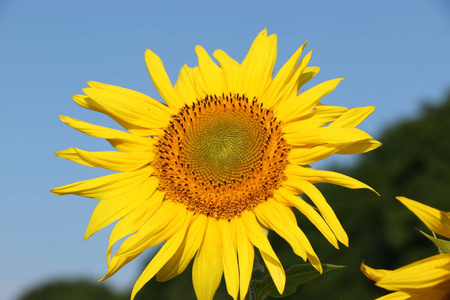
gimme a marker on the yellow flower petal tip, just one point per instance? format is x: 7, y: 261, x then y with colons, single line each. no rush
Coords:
x: 218, y: 162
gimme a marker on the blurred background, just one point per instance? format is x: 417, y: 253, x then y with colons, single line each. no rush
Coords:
x: 393, y: 54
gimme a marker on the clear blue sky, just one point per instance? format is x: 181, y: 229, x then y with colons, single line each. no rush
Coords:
x: 393, y: 54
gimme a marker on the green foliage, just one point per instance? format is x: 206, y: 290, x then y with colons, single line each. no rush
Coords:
x: 72, y: 290
x: 295, y: 276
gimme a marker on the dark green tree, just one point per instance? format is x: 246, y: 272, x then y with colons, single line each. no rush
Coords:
x: 72, y: 290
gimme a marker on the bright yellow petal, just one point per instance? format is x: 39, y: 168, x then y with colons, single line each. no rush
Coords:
x: 164, y: 254
x: 208, y: 264
x: 107, y: 186
x: 316, y: 176
x: 276, y: 89
x: 161, y: 226
x: 114, y: 161
x: 246, y: 255
x: 362, y: 146
x: 303, y: 186
x: 307, y: 74
x: 326, y: 135
x: 230, y: 262
x: 306, y: 101
x: 353, y: 117
x: 134, y: 220
x: 211, y: 73
x: 281, y: 219
x: 288, y: 199
x: 374, y: 274
x: 109, y: 210
x: 161, y: 81
x: 120, y: 140
x: 231, y: 69
x: 257, y: 237
x: 257, y: 67
x: 185, y: 85
x: 125, y: 105
x: 88, y: 103
x: 420, y: 275
x: 319, y: 117
x: 306, y: 156
x: 191, y: 243
x: 275, y: 217
x: 436, y: 220
x: 116, y: 264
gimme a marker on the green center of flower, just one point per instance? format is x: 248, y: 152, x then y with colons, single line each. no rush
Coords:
x: 223, y: 145
x: 221, y: 156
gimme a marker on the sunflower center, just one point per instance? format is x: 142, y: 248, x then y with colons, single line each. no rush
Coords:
x: 221, y: 156
x: 223, y: 145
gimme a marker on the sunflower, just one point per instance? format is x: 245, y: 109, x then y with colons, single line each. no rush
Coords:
x: 426, y: 279
x: 219, y: 164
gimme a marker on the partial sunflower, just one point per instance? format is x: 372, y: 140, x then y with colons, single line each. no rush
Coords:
x: 217, y: 166
x: 426, y: 279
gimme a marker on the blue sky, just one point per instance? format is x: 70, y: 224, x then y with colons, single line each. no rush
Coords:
x: 393, y: 54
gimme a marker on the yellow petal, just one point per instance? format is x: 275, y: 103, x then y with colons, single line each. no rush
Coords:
x: 116, y: 264
x: 106, y: 186
x: 161, y: 81
x: 287, y: 198
x: 246, y: 255
x: 120, y: 140
x: 111, y: 209
x: 161, y: 226
x: 420, y: 275
x: 306, y: 156
x: 319, y: 117
x: 208, y: 264
x: 115, y: 161
x: 230, y: 263
x: 307, y: 74
x: 374, y: 274
x: 231, y: 69
x: 142, y: 99
x: 362, y: 146
x: 180, y: 260
x: 316, y: 176
x: 257, y: 67
x: 436, y: 220
x: 134, y: 220
x: 303, y: 186
x: 326, y: 135
x: 185, y: 85
x: 125, y: 106
x: 164, y: 254
x: 353, y: 117
x: 211, y: 73
x: 276, y: 89
x: 281, y: 219
x: 306, y: 101
x: 257, y: 237
x: 86, y: 102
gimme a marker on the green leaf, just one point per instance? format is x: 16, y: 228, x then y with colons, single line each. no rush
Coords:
x: 443, y: 245
x: 295, y: 276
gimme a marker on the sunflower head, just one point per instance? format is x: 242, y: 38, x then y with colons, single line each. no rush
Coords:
x: 224, y: 159
x: 221, y: 155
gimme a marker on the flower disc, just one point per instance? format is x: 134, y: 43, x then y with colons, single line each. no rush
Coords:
x: 221, y: 155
